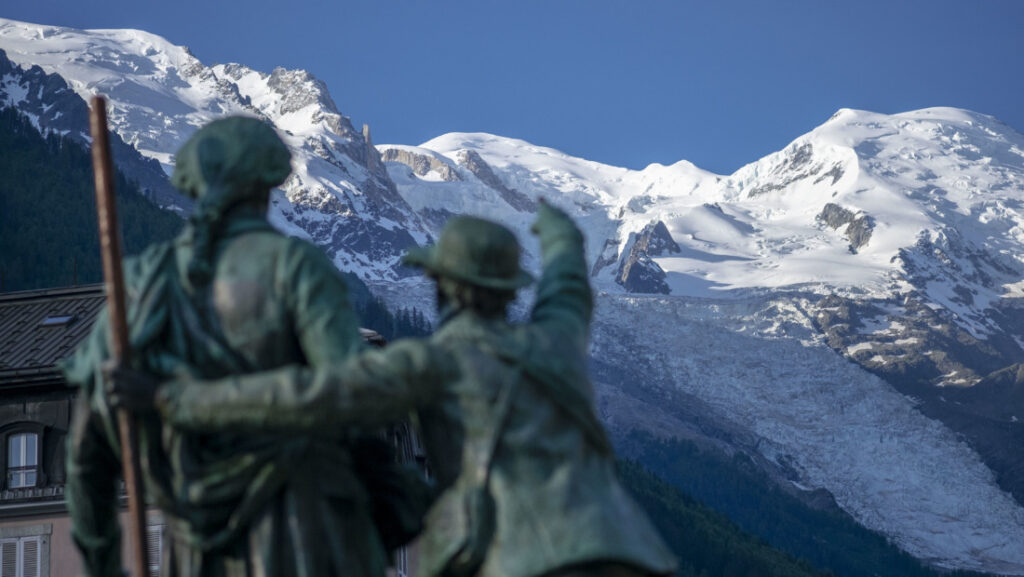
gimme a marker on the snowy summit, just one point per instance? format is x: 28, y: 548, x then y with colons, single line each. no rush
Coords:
x: 846, y: 311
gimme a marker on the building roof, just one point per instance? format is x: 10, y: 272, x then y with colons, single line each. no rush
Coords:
x: 38, y: 328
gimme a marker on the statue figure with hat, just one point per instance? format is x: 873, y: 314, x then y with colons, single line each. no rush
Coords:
x: 525, y: 470
x: 229, y: 296
x: 531, y: 474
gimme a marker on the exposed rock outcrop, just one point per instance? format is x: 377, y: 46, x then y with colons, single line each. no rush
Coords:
x: 656, y: 240
x: 638, y: 273
x: 858, y: 226
x: 797, y: 166
x: 609, y: 254
x: 421, y: 164
x: 57, y: 109
x: 472, y: 161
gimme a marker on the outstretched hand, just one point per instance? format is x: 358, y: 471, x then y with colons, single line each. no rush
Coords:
x: 548, y: 217
x: 552, y: 224
x: 128, y: 388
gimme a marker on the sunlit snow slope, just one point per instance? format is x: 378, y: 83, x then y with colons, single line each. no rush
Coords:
x: 893, y: 240
x: 847, y: 310
x: 891, y: 181
x: 160, y: 94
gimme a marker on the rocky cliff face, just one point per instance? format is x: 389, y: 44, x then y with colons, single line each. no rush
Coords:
x: 340, y: 193
x: 56, y: 109
x: 858, y: 227
x: 638, y: 272
x: 421, y: 164
x: 869, y: 240
x: 846, y: 310
x: 517, y: 200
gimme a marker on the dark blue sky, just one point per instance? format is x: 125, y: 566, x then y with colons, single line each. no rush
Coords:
x: 630, y: 82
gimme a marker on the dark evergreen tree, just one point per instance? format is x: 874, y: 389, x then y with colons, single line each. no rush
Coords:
x: 829, y: 539
x: 705, y: 541
x: 48, y: 230
x: 375, y: 315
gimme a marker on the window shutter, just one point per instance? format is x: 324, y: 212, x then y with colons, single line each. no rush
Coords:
x: 9, y: 558
x: 154, y: 548
x: 30, y: 565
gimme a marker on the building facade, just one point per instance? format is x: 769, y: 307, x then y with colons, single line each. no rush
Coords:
x: 37, y: 329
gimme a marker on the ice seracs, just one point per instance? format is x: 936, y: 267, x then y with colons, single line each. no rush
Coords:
x: 849, y: 306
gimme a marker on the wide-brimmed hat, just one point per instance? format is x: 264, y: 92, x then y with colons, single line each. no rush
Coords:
x: 475, y: 251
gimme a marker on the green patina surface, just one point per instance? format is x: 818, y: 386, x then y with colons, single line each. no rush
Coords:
x: 229, y: 296
x: 557, y: 501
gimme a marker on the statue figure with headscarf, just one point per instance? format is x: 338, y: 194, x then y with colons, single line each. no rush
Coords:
x: 524, y: 468
x: 229, y: 296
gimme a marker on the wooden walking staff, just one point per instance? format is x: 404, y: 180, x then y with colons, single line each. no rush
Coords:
x: 110, y: 246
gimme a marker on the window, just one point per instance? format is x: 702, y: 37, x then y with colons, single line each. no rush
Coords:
x: 25, y: 550
x: 20, y: 557
x: 154, y: 548
x: 22, y: 461
x: 58, y: 320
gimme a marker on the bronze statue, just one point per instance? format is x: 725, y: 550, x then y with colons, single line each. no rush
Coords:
x: 525, y: 469
x: 532, y: 479
x: 229, y: 296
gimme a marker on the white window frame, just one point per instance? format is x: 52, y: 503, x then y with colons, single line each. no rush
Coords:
x: 19, y: 536
x: 24, y: 468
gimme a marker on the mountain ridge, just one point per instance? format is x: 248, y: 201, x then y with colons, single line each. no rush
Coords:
x: 883, y: 247
x: 159, y: 93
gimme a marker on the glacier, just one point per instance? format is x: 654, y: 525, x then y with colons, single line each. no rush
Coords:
x: 833, y: 302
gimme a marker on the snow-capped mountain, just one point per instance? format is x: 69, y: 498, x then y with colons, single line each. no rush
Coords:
x: 891, y: 240
x: 894, y: 241
x: 846, y: 311
x: 55, y: 109
x: 159, y: 94
x: 852, y: 207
